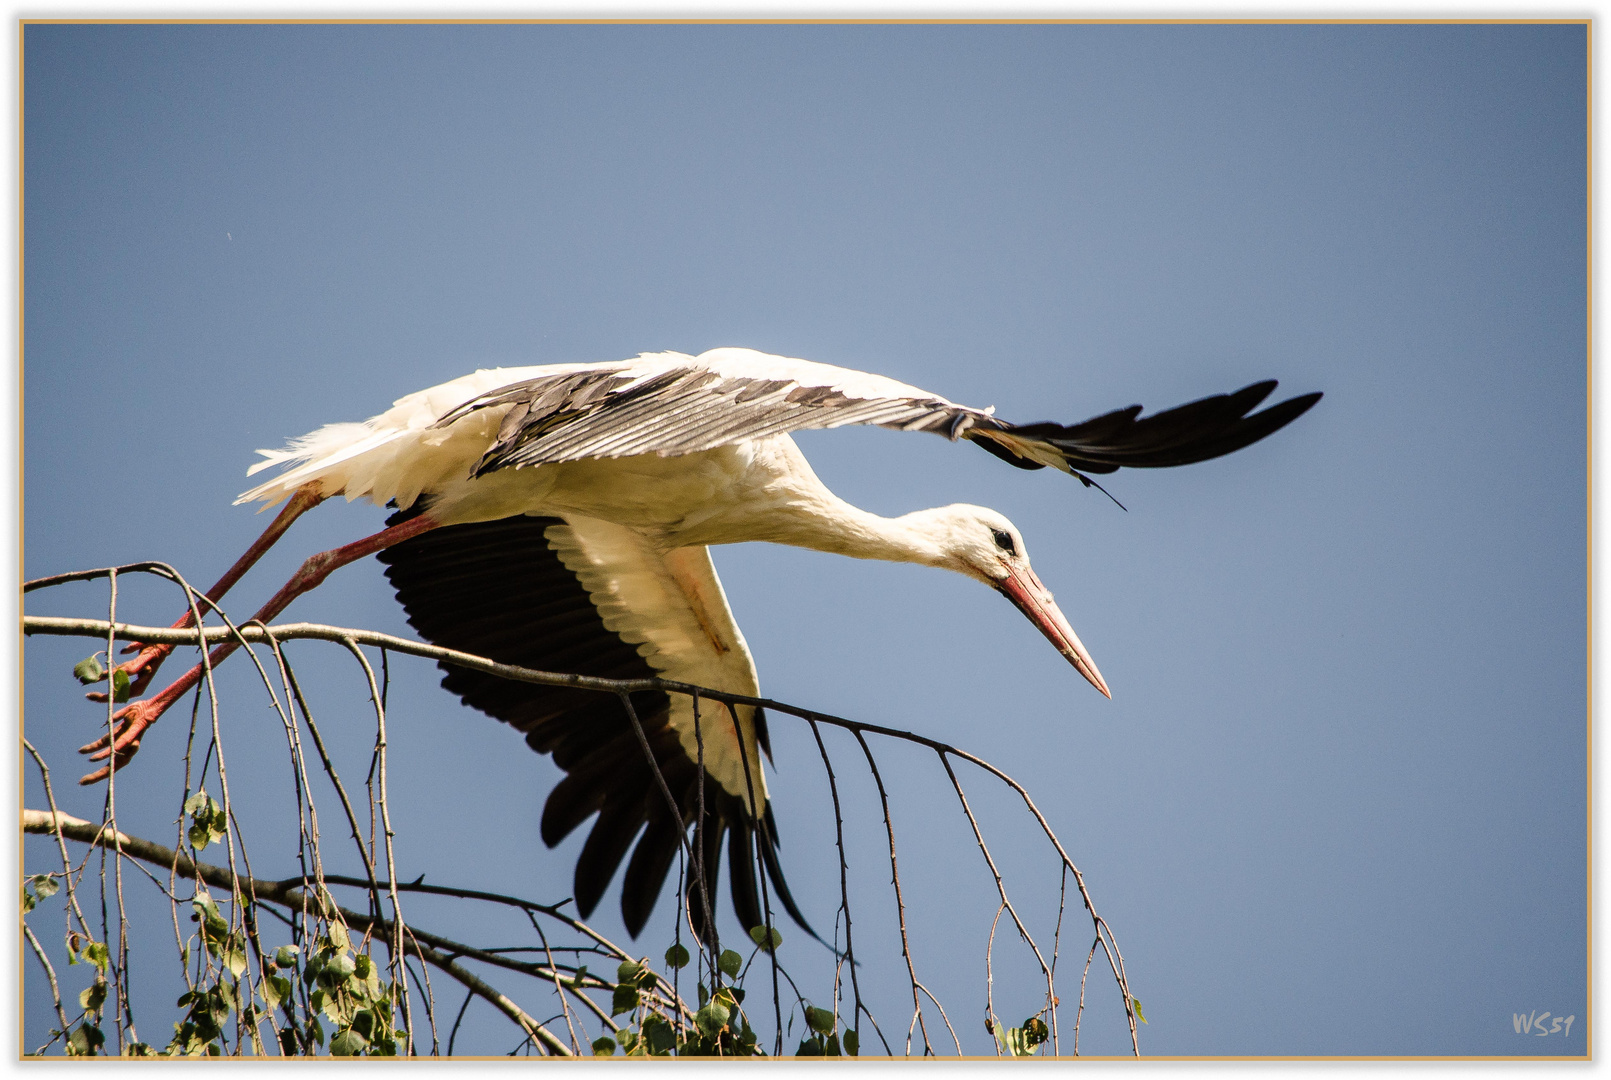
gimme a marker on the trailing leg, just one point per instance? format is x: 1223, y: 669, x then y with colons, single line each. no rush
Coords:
x: 132, y: 720
x: 142, y: 668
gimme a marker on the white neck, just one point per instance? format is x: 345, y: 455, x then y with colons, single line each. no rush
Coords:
x: 849, y: 530
x: 786, y: 503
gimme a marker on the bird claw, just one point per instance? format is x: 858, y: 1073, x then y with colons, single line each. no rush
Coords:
x: 131, y: 720
x: 121, y: 759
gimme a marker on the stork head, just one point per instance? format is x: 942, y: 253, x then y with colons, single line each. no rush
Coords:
x: 984, y: 545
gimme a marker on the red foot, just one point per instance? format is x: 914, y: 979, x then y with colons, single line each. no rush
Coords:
x: 122, y: 759
x: 124, y: 740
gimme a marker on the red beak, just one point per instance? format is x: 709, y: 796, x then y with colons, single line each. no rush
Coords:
x: 1024, y: 589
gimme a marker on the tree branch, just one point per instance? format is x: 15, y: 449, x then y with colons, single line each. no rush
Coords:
x: 619, y: 687
x: 287, y: 894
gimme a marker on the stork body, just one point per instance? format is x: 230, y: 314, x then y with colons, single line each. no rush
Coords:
x: 560, y: 517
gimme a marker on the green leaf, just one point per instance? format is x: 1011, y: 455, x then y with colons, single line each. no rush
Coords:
x: 628, y: 971
x: 712, y: 1018
x: 120, y: 685
x: 276, y: 988
x: 362, y: 965
x: 348, y: 1043
x: 659, y: 1034
x: 625, y: 999
x: 285, y: 956
x: 97, y: 954
x: 92, y: 997
x: 677, y: 957
x: 1035, y: 1031
x: 89, y: 670
x: 1012, y: 1041
x: 604, y: 1047
x: 85, y: 1040
x: 729, y: 963
x: 233, y: 957
x: 767, y: 937
x: 1135, y: 1003
x: 35, y: 889
x: 852, y: 1042
x: 819, y: 1019
x: 338, y: 937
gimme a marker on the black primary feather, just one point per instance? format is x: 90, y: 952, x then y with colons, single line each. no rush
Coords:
x: 1124, y: 438
x: 498, y: 590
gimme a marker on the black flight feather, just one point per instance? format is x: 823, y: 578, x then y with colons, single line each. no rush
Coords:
x: 1183, y: 435
x: 498, y: 590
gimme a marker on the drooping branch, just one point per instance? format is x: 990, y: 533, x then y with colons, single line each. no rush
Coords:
x: 289, y: 894
x: 255, y: 634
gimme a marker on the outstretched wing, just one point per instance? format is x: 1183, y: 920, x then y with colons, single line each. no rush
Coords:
x: 671, y: 404
x: 682, y: 405
x: 585, y: 597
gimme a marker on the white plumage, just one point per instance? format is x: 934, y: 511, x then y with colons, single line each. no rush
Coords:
x: 561, y: 516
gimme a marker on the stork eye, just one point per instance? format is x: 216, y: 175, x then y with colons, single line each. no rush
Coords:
x: 1004, y: 541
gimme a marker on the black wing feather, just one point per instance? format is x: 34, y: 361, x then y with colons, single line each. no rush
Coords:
x: 1124, y: 438
x: 498, y: 590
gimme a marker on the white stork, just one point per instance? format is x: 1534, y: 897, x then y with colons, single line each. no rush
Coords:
x: 560, y: 517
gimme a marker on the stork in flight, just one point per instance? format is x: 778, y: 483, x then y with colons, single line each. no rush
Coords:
x: 560, y: 517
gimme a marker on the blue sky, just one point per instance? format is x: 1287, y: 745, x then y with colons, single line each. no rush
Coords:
x: 1337, y: 803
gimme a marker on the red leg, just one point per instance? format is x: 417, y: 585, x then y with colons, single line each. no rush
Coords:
x: 143, y: 667
x: 135, y: 717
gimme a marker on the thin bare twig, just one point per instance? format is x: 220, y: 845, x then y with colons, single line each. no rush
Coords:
x: 1001, y: 888
x: 50, y: 973
x: 900, y: 905
x: 844, y: 882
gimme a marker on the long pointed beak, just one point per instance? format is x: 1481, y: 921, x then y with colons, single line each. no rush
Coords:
x: 1024, y: 589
